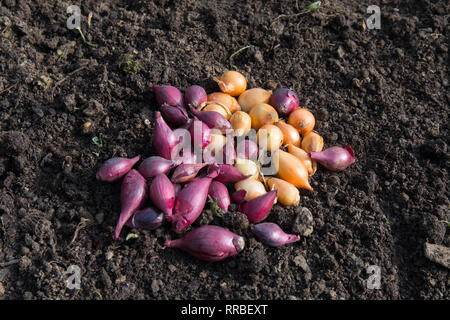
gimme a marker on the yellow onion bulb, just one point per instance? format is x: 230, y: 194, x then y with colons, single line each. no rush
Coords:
x: 288, y: 194
x: 270, y: 137
x: 217, y: 143
x: 254, y: 188
x: 225, y: 100
x: 232, y: 83
x: 263, y: 114
x: 251, y: 97
x: 292, y: 170
x: 290, y: 134
x: 312, y: 142
x: 241, y: 123
x: 302, y: 155
x: 247, y: 167
x: 303, y: 120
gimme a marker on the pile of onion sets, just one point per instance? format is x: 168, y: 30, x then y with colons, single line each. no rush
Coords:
x: 213, y: 149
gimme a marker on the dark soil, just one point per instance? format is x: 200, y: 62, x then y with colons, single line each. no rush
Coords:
x: 384, y: 92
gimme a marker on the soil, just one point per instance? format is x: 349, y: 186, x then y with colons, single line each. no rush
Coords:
x: 384, y: 92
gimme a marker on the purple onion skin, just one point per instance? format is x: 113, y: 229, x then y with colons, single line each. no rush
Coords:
x: 212, y: 119
x: 209, y: 243
x: 334, y: 158
x: 176, y: 116
x: 187, y: 125
x: 208, y: 157
x: 229, y: 174
x: 115, y: 168
x: 133, y: 195
x: 258, y: 208
x: 164, y: 140
x: 284, y: 100
x: 228, y: 153
x: 239, y: 196
x: 186, y: 172
x: 272, y: 235
x: 195, y: 96
x: 176, y: 188
x: 146, y: 219
x: 188, y: 158
x: 218, y: 191
x: 190, y: 202
x: 200, y: 134
x: 162, y: 194
x: 168, y: 95
x: 247, y: 149
x: 155, y: 165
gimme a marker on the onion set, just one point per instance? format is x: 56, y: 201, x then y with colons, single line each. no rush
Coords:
x: 168, y: 95
x: 146, y: 219
x: 272, y: 235
x: 162, y: 194
x: 219, y: 192
x: 209, y: 243
x: 241, y: 123
x: 133, y: 195
x: 195, y: 96
x: 253, y: 188
x: 190, y: 202
x: 155, y: 165
x: 303, y: 120
x: 248, y: 168
x: 292, y: 170
x: 252, y: 97
x: 232, y: 83
x: 288, y: 194
x: 270, y: 137
x: 284, y: 100
x: 258, y: 208
x: 164, y: 140
x: 290, y: 134
x: 334, y: 158
x: 262, y: 114
x: 302, y: 155
x: 115, y: 168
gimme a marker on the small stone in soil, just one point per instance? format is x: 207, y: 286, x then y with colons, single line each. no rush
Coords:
x: 258, y: 260
x: 438, y: 254
x: 109, y: 255
x: 300, y: 261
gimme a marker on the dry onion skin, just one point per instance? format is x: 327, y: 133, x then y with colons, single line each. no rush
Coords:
x: 241, y: 123
x: 290, y: 134
x: 288, y: 194
x: 292, y: 170
x: 303, y: 120
x: 263, y: 114
x: 270, y: 137
x: 217, y: 108
x: 247, y: 168
x: 223, y: 99
x: 252, y: 97
x: 232, y: 83
x: 254, y: 188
